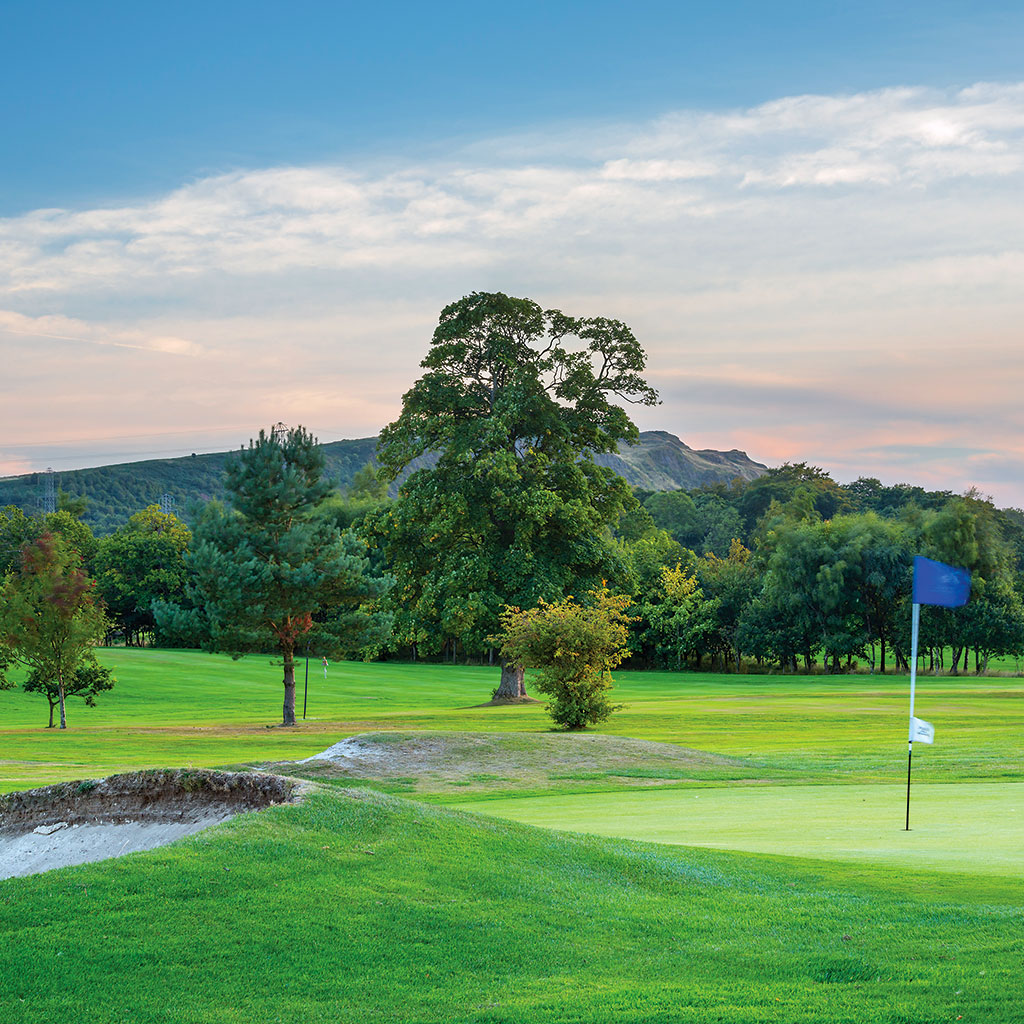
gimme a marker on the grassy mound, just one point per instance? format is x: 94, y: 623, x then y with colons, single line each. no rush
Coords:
x: 470, y: 764
x: 355, y: 906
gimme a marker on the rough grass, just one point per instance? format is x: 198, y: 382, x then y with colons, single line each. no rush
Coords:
x: 360, y: 907
x: 476, y: 762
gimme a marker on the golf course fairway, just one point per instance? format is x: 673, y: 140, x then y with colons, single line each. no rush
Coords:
x: 959, y: 827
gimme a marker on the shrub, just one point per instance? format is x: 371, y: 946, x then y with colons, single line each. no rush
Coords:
x: 573, y: 648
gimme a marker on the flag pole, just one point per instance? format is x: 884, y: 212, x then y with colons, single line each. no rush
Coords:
x: 914, y: 629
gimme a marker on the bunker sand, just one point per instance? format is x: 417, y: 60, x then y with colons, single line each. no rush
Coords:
x: 95, y: 819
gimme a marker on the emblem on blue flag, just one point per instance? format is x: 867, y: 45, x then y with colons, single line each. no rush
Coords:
x: 941, y: 584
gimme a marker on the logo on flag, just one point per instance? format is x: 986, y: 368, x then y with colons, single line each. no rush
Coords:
x: 941, y: 584
x: 921, y: 731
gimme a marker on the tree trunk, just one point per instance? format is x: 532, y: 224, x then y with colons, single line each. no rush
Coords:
x: 512, y: 684
x: 60, y: 697
x: 289, y: 687
x: 53, y: 704
x: 881, y: 660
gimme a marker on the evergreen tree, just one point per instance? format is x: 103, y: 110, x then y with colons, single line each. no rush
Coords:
x: 269, y: 573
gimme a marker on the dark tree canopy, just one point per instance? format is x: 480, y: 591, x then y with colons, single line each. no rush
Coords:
x: 139, y: 564
x: 515, y: 402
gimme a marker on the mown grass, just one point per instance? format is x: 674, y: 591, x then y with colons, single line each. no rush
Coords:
x: 362, y: 907
x: 177, y: 707
x: 963, y: 828
x: 358, y: 906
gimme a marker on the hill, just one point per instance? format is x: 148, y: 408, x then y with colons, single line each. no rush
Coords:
x: 659, y: 462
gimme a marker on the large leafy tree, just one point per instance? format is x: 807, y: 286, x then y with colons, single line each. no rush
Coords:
x: 269, y: 573
x: 50, y: 619
x: 514, y: 403
x: 139, y: 564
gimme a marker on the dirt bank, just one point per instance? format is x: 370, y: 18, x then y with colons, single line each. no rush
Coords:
x: 78, y: 822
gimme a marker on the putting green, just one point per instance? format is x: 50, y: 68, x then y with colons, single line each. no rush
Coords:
x: 964, y: 827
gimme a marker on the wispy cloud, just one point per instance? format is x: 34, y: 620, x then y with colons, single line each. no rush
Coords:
x: 802, y: 273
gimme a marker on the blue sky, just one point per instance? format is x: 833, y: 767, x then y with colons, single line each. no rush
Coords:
x: 216, y: 216
x: 108, y: 99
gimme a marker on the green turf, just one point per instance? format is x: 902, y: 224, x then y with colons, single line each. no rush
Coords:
x: 373, y: 909
x: 356, y: 906
x: 173, y: 708
x: 960, y: 827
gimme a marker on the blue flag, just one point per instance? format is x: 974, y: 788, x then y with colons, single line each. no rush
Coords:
x: 938, y: 583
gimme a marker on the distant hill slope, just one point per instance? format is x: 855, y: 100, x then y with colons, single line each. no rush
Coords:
x: 659, y: 462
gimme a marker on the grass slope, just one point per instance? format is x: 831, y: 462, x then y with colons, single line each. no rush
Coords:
x: 362, y: 907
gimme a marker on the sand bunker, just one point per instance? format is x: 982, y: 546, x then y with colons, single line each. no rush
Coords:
x: 78, y: 822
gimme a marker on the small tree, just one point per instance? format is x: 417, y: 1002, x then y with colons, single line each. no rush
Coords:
x: 89, y: 679
x: 49, y: 622
x: 573, y: 647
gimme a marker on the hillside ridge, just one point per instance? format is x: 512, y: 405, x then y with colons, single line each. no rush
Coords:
x: 659, y: 461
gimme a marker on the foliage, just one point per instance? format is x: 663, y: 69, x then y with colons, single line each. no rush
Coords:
x: 676, y: 513
x: 139, y: 564
x: 514, y: 405
x: 732, y: 584
x: 678, y: 619
x: 268, y: 573
x: 16, y: 530
x: 573, y: 647
x: 86, y: 681
x: 50, y: 619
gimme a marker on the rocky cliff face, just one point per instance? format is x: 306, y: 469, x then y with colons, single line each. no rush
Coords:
x: 661, y: 462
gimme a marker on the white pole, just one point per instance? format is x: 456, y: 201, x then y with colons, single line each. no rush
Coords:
x: 915, y: 626
x: 914, y: 629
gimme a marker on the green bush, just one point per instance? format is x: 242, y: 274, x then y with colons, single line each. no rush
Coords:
x: 573, y: 647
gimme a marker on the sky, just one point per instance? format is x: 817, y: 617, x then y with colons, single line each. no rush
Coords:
x: 216, y: 217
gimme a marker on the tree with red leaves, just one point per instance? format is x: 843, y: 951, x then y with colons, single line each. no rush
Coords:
x: 50, y: 620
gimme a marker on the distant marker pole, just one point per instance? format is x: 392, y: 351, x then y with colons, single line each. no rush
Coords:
x: 305, y: 689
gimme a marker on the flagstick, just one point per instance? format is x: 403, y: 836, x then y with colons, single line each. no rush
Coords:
x: 915, y: 626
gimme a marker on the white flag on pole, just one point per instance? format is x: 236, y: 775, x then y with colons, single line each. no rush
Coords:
x: 922, y: 731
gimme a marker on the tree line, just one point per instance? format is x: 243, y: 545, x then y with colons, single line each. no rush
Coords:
x: 791, y: 571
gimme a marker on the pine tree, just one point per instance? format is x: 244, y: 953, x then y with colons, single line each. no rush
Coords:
x: 268, y: 572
